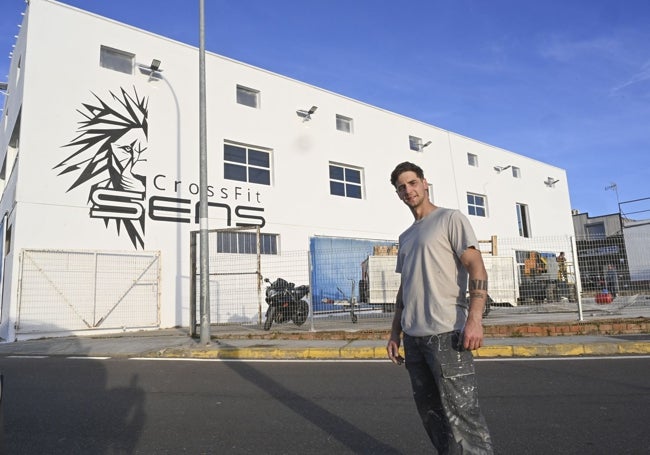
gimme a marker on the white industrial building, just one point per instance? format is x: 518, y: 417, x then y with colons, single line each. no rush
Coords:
x: 99, y: 144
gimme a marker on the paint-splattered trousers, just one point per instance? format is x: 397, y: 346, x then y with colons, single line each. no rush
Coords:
x: 445, y: 393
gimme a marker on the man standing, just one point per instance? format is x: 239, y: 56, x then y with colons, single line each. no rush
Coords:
x: 561, y: 266
x: 436, y: 253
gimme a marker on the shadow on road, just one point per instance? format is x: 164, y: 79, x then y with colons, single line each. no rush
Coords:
x: 61, y: 405
x: 357, y: 440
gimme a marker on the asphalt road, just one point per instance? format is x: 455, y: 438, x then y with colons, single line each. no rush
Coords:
x: 83, y: 406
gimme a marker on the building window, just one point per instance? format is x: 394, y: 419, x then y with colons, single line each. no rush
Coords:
x: 522, y: 220
x: 472, y: 159
x: 343, y: 123
x: 516, y: 172
x: 246, y: 164
x: 415, y: 143
x: 476, y: 204
x: 116, y: 60
x: 595, y: 231
x: 248, y: 96
x: 246, y: 243
x: 345, y: 181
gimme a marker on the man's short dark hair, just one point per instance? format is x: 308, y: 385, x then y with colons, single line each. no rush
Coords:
x: 406, y: 166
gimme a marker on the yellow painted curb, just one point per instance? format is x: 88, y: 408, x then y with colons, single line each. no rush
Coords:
x: 601, y: 348
x: 359, y: 353
x: 548, y: 350
x: 324, y: 353
x: 379, y: 352
x: 636, y: 347
x: 493, y: 351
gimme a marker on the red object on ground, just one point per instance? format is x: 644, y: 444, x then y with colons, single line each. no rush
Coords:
x: 604, y: 298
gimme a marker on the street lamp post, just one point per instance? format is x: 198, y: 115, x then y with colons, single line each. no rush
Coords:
x: 203, y: 188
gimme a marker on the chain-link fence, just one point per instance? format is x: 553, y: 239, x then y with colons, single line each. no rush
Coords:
x: 357, y: 284
x: 352, y: 283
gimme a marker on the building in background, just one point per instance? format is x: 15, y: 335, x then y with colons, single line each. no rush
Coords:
x: 601, y: 247
x: 615, y: 244
x: 100, y: 169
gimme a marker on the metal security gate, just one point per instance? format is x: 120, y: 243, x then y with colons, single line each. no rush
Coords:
x: 87, y: 290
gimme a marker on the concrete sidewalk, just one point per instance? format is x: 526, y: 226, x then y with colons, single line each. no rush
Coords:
x: 548, y: 330
x: 175, y: 343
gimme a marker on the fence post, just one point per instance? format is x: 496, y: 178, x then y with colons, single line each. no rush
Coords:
x: 515, y: 281
x: 576, y: 268
x: 95, y: 289
x: 193, y: 284
x: 259, y: 275
x: 311, y: 293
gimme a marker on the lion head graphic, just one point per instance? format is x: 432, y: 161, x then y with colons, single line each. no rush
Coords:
x: 111, y: 139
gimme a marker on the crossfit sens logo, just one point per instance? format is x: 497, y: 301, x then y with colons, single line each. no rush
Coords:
x: 110, y: 142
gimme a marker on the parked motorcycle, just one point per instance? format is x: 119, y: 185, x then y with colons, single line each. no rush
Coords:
x: 286, y: 302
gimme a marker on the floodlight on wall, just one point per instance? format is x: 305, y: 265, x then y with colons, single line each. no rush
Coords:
x: 424, y: 145
x: 152, y: 70
x: 306, y: 114
x: 550, y: 182
x: 3, y: 86
x: 498, y: 169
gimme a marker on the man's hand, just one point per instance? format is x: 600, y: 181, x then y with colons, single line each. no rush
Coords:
x: 473, y: 335
x: 393, y: 352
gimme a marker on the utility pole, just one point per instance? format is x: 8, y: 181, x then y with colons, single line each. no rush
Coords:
x: 203, y: 188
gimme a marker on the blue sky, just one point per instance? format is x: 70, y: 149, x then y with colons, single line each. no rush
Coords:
x: 566, y: 82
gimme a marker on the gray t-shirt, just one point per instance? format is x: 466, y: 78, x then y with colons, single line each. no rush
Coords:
x: 434, y: 281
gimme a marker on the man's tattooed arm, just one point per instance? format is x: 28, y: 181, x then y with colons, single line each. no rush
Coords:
x: 478, y: 288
